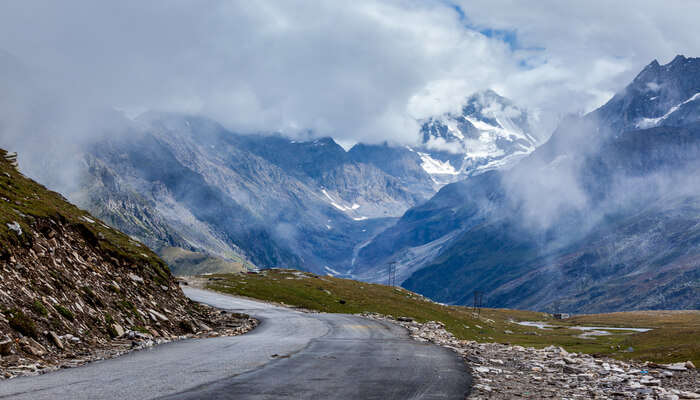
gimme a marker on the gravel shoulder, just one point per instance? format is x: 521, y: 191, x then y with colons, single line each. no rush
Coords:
x: 503, y: 371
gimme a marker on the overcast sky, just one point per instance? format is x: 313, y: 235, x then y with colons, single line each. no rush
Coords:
x: 355, y: 70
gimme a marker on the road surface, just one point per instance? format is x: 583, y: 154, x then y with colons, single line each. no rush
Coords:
x: 290, y: 355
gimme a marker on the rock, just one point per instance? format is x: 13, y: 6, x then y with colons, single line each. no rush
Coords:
x: 155, y: 315
x: 135, y: 278
x: 474, y: 360
x: 571, y: 370
x: 14, y: 226
x: 6, y: 347
x: 202, y: 326
x: 676, y: 367
x: 689, y: 364
x: 56, y: 340
x: 32, y: 347
x: 485, y: 388
x: 688, y: 395
x: 405, y: 319
x: 118, y: 329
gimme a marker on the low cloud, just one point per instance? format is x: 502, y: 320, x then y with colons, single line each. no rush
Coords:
x: 357, y: 71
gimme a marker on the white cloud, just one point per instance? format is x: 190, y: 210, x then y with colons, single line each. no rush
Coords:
x: 359, y: 71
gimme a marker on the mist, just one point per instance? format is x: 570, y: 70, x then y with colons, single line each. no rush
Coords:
x: 360, y: 72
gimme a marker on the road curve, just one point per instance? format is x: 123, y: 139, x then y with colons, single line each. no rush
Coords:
x: 290, y: 355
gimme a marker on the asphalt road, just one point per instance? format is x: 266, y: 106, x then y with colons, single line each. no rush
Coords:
x: 290, y: 355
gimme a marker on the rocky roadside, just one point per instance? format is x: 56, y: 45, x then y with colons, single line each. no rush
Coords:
x: 24, y: 356
x: 503, y: 371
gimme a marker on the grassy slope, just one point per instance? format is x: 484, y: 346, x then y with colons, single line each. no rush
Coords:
x: 184, y: 262
x: 676, y: 336
x: 22, y: 199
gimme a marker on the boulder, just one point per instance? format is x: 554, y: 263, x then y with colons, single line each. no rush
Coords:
x: 56, y: 340
x: 5, y: 347
x: 32, y: 347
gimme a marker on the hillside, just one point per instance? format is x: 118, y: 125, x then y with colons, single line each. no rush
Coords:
x: 184, y: 262
x: 72, y: 287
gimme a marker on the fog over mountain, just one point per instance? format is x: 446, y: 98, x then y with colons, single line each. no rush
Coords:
x: 604, y: 216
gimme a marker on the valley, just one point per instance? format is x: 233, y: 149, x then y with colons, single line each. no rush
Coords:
x: 381, y: 200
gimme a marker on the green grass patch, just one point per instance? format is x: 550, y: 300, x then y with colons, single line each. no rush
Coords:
x: 68, y: 314
x: 39, y: 308
x: 674, y: 338
x: 22, y: 323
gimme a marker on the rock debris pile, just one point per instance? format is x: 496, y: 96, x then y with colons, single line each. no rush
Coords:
x: 64, y: 303
x: 506, y: 372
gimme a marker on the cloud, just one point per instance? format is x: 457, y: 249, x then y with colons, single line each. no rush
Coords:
x: 357, y: 71
x: 585, y: 51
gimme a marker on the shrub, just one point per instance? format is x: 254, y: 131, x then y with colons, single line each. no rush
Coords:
x: 112, y: 331
x: 22, y: 324
x: 65, y: 312
x: 39, y: 308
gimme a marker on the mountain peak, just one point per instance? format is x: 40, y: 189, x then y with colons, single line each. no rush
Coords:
x: 678, y: 60
x: 655, y: 93
x: 490, y: 132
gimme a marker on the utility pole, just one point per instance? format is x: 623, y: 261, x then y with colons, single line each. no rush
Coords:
x: 478, y: 301
x: 392, y: 274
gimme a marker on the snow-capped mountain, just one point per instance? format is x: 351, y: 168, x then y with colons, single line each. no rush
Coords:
x: 489, y: 133
x: 660, y: 95
x: 604, y: 216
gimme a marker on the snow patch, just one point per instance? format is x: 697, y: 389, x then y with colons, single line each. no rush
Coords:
x: 340, y: 207
x: 436, y: 167
x: 645, y: 123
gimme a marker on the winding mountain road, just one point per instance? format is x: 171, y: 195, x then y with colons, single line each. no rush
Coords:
x: 290, y: 355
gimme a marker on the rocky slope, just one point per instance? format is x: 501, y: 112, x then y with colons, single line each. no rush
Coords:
x: 73, y: 289
x: 187, y: 182
x: 602, y: 217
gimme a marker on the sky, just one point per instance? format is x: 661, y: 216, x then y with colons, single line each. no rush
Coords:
x: 355, y: 70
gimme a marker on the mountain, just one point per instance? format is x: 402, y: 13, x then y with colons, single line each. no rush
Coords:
x: 602, y: 217
x: 69, y: 284
x: 186, y: 182
x: 489, y: 133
